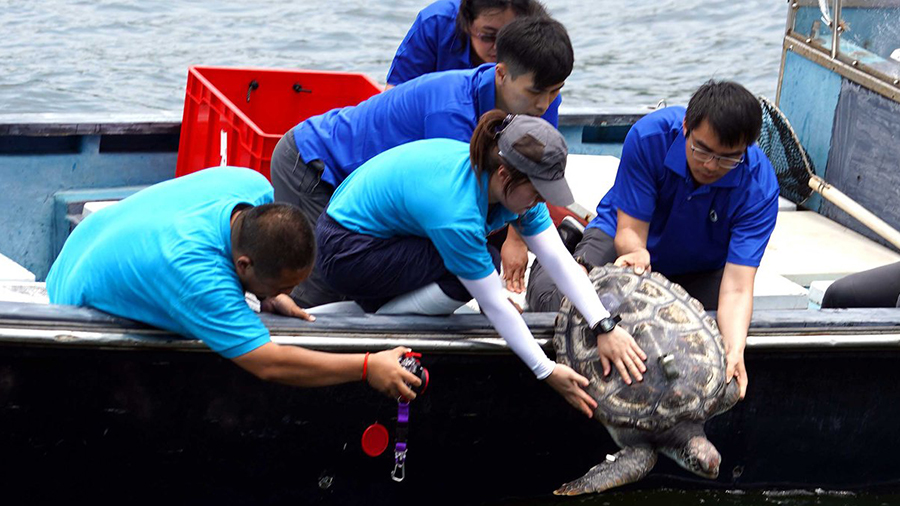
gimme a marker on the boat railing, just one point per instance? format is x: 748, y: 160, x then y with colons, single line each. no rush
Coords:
x: 857, y: 39
x: 42, y: 325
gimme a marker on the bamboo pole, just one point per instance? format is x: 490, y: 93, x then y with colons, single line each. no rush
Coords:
x: 862, y: 214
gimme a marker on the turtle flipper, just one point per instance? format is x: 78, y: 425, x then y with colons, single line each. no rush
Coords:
x: 627, y: 466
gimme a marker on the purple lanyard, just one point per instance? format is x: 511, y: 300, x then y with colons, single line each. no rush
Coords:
x: 399, y: 472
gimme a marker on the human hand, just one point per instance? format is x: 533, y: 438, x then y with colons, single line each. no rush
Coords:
x: 283, y: 304
x: 639, y: 259
x: 570, y: 385
x: 620, y: 349
x: 385, y: 374
x: 735, y: 368
x: 514, y: 261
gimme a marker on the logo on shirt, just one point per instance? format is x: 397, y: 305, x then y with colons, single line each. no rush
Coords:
x: 713, y: 217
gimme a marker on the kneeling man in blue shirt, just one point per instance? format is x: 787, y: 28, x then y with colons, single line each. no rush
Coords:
x: 534, y: 58
x: 180, y: 255
x: 695, y: 198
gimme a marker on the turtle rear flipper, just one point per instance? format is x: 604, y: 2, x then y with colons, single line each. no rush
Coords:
x: 627, y: 466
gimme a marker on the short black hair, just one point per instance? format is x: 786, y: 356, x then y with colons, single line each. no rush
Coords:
x: 733, y: 113
x: 471, y: 9
x: 539, y: 45
x: 276, y: 237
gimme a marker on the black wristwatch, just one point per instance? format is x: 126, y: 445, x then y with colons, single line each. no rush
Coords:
x: 606, y: 325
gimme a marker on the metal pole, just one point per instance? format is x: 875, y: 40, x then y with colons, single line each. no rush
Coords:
x: 791, y: 16
x: 836, y: 28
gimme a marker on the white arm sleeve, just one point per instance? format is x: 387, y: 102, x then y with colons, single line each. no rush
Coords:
x: 509, y: 323
x: 567, y: 274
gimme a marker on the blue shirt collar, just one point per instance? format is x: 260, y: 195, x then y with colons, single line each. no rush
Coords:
x: 676, y: 161
x: 486, y: 89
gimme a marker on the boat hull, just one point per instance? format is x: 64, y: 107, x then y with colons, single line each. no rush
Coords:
x: 149, y: 417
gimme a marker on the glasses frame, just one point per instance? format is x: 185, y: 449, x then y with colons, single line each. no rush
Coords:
x: 487, y: 38
x: 723, y: 162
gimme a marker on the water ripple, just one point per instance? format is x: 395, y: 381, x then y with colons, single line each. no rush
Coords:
x: 132, y: 56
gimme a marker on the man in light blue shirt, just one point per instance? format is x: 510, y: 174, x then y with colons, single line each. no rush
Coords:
x: 534, y: 59
x: 180, y: 255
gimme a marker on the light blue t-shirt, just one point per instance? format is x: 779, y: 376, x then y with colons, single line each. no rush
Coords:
x: 163, y: 257
x: 438, y: 105
x: 428, y: 189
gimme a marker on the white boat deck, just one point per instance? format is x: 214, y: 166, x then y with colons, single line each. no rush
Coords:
x: 11, y: 271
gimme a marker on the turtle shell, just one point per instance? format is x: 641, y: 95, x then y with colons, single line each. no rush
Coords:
x: 666, y: 322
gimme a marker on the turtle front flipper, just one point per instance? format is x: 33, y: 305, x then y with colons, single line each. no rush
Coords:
x: 627, y: 466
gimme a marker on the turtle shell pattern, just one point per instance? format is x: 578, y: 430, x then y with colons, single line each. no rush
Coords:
x: 664, y: 320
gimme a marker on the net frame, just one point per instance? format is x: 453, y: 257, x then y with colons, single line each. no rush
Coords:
x: 780, y: 143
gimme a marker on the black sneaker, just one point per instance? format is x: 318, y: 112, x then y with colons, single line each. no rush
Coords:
x: 571, y: 232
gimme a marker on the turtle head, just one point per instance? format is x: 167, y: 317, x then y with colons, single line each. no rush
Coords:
x: 699, y: 456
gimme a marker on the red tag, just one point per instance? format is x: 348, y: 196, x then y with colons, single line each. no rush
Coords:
x: 375, y: 440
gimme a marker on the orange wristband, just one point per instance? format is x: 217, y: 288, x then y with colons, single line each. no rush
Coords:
x: 365, y: 366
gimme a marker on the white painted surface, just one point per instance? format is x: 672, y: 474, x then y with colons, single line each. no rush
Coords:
x: 772, y: 291
x: 806, y: 247
x: 590, y: 177
x: 93, y: 207
x: 11, y: 271
x: 817, y: 291
x: 786, y: 205
x: 24, y: 292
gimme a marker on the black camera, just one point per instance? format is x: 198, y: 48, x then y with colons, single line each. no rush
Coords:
x: 410, y: 362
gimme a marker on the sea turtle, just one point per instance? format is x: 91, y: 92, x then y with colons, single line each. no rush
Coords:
x: 683, y: 387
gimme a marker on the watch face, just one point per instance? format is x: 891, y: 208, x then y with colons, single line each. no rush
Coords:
x: 606, y: 324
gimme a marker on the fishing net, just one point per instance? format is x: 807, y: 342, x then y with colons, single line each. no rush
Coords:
x: 781, y: 145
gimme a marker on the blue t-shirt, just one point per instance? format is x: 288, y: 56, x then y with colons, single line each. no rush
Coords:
x: 431, y: 45
x: 439, y: 105
x: 691, y: 229
x: 163, y: 257
x: 428, y: 189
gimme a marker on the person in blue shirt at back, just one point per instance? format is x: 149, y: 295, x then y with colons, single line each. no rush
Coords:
x: 407, y: 234
x: 311, y: 160
x: 179, y: 255
x: 697, y: 199
x: 454, y: 35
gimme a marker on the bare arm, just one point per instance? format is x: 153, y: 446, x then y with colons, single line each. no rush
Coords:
x: 514, y: 257
x: 300, y: 367
x: 631, y: 242
x: 733, y: 317
x: 283, y: 304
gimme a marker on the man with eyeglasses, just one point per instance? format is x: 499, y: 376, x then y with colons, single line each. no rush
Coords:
x: 696, y: 199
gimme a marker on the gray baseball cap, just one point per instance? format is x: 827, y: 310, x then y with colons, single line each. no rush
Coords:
x: 537, y: 149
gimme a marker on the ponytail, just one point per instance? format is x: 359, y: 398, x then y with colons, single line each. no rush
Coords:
x: 484, y: 152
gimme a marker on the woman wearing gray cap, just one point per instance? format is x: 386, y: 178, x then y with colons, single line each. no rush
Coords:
x: 406, y: 234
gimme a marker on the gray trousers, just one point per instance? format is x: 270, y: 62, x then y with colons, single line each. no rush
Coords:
x: 878, y: 287
x: 598, y: 248
x: 300, y: 183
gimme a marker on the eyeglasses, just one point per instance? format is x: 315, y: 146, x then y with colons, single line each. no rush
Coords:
x: 704, y: 156
x: 487, y: 38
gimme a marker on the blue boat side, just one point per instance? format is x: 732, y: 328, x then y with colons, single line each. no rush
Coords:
x: 51, y: 166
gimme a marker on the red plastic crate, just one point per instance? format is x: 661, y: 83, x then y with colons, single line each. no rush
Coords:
x: 229, y: 120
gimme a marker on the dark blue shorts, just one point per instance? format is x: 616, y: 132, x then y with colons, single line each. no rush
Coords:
x: 372, y: 271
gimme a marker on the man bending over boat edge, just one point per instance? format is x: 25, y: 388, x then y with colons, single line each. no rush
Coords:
x: 179, y: 255
x: 695, y: 197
